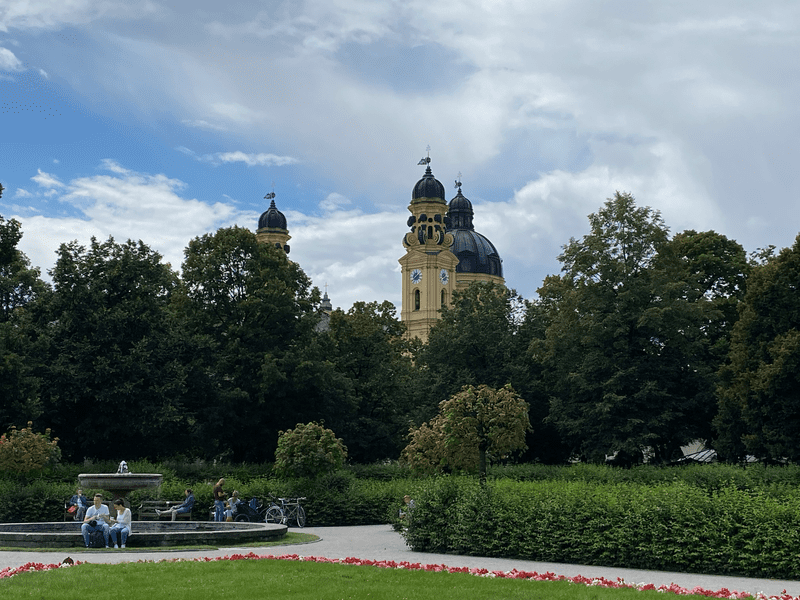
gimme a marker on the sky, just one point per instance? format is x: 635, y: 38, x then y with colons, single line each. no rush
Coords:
x: 166, y: 120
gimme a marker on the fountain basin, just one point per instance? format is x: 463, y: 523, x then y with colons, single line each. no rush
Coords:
x: 120, y: 484
x: 145, y: 534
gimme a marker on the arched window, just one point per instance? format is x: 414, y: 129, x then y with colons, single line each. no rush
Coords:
x: 416, y: 299
x: 444, y: 297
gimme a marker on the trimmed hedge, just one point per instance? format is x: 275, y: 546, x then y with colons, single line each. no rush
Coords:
x: 335, y: 499
x: 668, y: 527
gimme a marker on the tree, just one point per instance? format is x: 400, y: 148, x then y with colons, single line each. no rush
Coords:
x: 20, y: 287
x: 715, y: 271
x: 482, y: 338
x: 19, y: 283
x: 623, y: 340
x: 255, y: 312
x: 473, y: 427
x: 115, y: 375
x: 369, y: 352
x: 308, y: 450
x: 474, y: 341
x: 759, y: 402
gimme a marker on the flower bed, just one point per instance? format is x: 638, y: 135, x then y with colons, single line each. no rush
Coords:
x: 436, y: 568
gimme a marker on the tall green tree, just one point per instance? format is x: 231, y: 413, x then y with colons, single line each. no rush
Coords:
x: 622, y: 343
x: 474, y: 342
x: 759, y: 400
x: 20, y: 287
x: 20, y: 284
x: 370, y: 352
x: 482, y: 338
x: 114, y: 382
x: 256, y: 312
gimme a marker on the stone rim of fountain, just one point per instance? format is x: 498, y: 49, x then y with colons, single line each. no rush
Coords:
x: 146, y: 534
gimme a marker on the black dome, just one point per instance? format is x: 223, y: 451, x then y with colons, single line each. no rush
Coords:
x: 475, y: 253
x: 272, y: 218
x: 428, y: 187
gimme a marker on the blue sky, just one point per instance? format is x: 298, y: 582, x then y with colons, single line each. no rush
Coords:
x: 162, y: 121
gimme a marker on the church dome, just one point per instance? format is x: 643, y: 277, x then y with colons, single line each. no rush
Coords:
x: 475, y: 253
x: 428, y: 187
x: 272, y: 218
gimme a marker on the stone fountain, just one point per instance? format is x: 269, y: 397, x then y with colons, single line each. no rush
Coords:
x: 170, y: 533
x: 121, y: 483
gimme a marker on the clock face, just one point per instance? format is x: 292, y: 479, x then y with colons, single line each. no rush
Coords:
x: 443, y: 276
x: 416, y: 276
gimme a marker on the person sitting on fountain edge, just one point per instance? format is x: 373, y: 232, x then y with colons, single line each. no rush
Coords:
x: 122, y: 523
x: 232, y: 502
x: 184, y: 507
x: 96, y: 520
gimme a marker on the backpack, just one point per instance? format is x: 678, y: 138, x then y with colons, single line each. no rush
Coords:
x: 96, y: 539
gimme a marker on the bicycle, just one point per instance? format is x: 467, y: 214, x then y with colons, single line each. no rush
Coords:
x: 286, y: 510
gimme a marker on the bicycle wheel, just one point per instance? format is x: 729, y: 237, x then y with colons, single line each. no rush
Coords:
x: 300, y: 516
x: 275, y: 515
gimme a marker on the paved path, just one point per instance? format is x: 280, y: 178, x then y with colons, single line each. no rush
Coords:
x: 380, y: 542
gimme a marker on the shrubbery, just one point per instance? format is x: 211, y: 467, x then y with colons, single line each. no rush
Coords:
x: 337, y: 498
x: 308, y: 450
x: 670, y: 526
x: 24, y: 450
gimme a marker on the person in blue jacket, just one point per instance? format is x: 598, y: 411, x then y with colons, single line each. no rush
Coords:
x: 184, y: 507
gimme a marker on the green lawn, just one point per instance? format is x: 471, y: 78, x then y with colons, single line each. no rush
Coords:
x: 287, y: 580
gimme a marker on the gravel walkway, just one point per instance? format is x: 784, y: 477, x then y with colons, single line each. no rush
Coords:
x: 380, y: 542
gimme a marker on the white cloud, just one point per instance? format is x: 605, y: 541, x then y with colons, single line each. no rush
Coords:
x: 355, y: 254
x: 334, y: 201
x: 250, y: 159
x: 260, y: 159
x: 52, y: 14
x: 9, y: 61
x: 201, y: 124
x: 47, y: 180
x: 21, y: 193
x: 124, y: 205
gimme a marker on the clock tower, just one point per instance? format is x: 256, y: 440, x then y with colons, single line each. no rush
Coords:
x: 428, y: 266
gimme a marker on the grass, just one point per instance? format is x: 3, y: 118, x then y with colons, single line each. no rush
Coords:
x: 288, y: 580
x: 290, y: 538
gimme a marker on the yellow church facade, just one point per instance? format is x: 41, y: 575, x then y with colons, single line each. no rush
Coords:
x: 443, y: 252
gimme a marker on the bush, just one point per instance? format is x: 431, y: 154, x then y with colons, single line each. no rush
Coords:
x: 23, y: 450
x: 668, y: 527
x: 308, y: 451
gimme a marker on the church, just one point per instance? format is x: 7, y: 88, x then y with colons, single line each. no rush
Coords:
x: 443, y: 252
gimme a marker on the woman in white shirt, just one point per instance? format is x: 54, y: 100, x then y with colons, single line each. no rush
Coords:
x: 122, y: 523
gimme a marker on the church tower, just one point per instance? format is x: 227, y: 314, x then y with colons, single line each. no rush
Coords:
x: 272, y: 226
x: 478, y: 259
x: 428, y: 266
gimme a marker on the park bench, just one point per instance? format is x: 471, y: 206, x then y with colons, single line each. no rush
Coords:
x: 70, y: 516
x: 147, y: 510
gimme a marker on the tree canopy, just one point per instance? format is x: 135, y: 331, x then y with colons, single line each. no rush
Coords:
x: 759, y: 402
x: 624, y: 339
x: 474, y: 427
